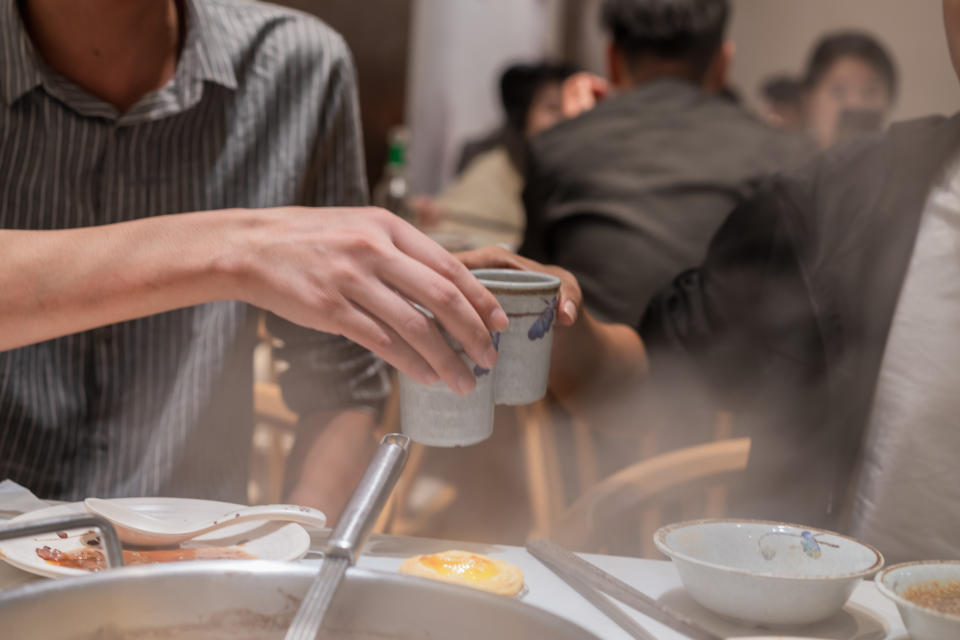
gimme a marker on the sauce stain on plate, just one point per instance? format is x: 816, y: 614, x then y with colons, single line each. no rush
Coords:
x: 94, y: 559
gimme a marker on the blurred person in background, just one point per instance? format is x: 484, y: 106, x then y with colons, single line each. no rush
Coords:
x: 483, y: 205
x: 631, y: 190
x: 628, y: 192
x: 783, y: 103
x: 850, y: 85
x: 826, y: 312
x: 115, y: 114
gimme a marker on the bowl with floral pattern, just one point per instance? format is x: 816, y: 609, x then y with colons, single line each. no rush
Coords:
x: 767, y: 573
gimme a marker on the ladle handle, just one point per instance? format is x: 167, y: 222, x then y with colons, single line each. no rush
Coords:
x: 368, y: 498
x: 111, y: 544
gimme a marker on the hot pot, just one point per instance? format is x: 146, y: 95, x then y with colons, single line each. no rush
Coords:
x: 256, y: 599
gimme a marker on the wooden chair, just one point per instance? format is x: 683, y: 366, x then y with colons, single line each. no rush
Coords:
x: 274, y: 428
x: 647, y: 483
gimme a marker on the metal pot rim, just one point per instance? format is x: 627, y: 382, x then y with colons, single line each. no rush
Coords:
x: 265, y: 568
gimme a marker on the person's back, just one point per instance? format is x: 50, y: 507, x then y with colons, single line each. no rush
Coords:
x: 630, y: 193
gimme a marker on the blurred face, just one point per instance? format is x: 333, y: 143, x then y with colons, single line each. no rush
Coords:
x: 849, y: 85
x: 546, y: 109
x: 951, y: 19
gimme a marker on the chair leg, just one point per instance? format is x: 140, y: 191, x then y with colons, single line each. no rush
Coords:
x: 544, y: 482
x: 586, y: 454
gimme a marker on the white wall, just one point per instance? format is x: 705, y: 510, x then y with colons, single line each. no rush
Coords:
x: 776, y: 35
x: 460, y: 48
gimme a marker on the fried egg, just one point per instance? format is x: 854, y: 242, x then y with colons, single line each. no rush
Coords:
x: 467, y: 569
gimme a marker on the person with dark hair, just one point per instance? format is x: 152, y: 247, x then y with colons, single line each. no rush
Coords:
x: 783, y: 102
x: 682, y: 35
x: 151, y: 154
x: 631, y: 191
x: 483, y: 206
x: 826, y: 315
x: 849, y: 85
x: 530, y: 96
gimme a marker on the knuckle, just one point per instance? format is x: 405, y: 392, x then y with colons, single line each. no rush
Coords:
x: 444, y: 293
x: 344, y: 274
x: 416, y: 325
x: 360, y: 244
x: 382, y: 341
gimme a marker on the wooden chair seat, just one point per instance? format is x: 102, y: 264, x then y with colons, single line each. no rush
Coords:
x: 649, y: 484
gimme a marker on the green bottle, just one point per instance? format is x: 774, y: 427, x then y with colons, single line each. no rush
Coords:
x: 392, y: 192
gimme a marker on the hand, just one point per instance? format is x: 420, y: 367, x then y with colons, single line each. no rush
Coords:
x: 570, y: 298
x: 581, y: 92
x: 353, y: 271
x: 427, y: 214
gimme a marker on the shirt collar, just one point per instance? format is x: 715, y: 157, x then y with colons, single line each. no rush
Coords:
x: 19, y: 70
x: 205, y: 55
x: 206, y: 50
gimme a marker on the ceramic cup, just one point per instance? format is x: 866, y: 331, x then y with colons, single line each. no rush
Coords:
x: 529, y: 300
x: 438, y: 417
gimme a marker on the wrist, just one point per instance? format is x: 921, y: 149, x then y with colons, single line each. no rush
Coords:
x: 231, y: 267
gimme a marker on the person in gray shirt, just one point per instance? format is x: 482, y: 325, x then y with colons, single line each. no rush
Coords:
x: 117, y: 117
x: 628, y: 193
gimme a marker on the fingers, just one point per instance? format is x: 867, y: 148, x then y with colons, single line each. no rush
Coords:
x: 371, y: 333
x: 599, y: 87
x: 424, y: 250
x: 489, y: 258
x: 579, y: 93
x: 448, y: 304
x: 419, y: 333
x: 570, y: 298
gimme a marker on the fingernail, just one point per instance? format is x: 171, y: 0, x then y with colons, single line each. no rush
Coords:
x: 570, y: 310
x: 430, y: 378
x: 466, y: 384
x: 499, y: 320
x: 489, y: 358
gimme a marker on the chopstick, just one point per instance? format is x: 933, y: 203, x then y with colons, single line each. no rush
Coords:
x: 577, y: 572
x: 605, y: 606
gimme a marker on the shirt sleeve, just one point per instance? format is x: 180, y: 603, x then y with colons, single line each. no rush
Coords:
x: 325, y: 372
x: 747, y: 310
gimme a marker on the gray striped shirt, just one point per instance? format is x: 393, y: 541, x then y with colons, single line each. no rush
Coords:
x: 261, y: 112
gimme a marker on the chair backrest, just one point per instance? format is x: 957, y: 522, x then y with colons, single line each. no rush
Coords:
x: 648, y: 484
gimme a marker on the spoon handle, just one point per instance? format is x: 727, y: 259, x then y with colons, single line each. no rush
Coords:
x: 281, y: 512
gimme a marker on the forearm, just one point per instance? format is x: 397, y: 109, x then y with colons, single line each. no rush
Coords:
x: 59, y: 282
x: 330, y: 454
x: 591, y: 356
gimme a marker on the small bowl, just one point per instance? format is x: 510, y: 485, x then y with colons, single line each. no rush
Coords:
x: 767, y: 573
x: 923, y: 623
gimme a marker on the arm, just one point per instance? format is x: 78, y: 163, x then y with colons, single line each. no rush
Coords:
x: 347, y: 271
x: 748, y: 309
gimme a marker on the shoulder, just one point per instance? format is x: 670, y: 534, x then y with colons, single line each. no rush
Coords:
x: 591, y: 128
x: 272, y: 35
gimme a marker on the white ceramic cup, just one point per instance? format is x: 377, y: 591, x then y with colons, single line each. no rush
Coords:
x: 529, y: 300
x: 436, y: 416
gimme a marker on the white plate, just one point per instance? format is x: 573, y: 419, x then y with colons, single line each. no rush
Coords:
x: 265, y: 541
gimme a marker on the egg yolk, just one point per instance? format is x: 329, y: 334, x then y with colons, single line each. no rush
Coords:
x: 472, y: 568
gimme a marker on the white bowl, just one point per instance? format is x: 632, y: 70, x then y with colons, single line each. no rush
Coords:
x: 923, y: 623
x: 767, y: 573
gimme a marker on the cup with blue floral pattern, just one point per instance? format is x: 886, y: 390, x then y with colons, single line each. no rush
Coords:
x: 530, y: 301
x: 438, y: 417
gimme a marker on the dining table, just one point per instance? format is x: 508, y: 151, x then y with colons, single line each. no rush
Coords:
x: 866, y: 616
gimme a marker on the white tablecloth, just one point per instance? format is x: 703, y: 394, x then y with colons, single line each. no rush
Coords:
x: 868, y: 615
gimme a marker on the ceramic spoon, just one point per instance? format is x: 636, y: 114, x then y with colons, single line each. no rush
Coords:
x: 134, y: 527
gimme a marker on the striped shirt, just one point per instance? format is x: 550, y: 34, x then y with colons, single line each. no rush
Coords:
x: 261, y: 111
